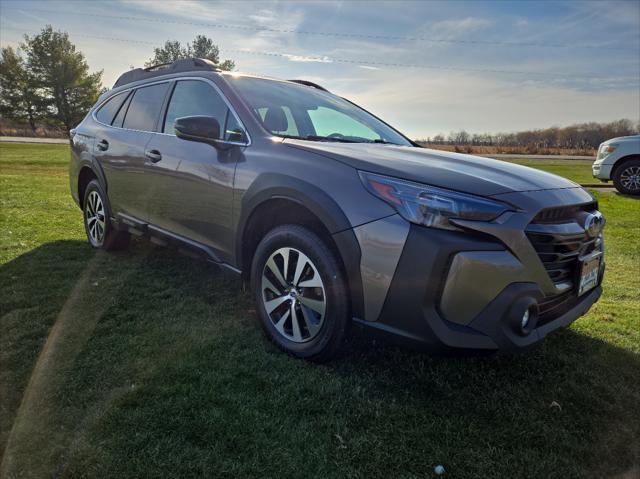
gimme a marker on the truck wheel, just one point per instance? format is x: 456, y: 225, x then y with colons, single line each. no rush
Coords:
x: 626, y: 178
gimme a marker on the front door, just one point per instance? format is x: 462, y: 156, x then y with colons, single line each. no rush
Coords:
x: 192, y: 183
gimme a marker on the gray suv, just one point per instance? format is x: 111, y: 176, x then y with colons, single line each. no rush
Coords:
x: 333, y: 217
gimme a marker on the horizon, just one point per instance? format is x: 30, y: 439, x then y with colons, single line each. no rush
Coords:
x: 427, y: 69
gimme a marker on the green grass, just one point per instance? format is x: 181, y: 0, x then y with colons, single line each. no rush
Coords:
x: 145, y: 363
x: 576, y: 170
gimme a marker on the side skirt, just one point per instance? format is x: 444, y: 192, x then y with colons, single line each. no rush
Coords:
x: 163, y: 237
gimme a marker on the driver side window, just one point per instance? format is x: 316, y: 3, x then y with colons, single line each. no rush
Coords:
x: 327, y: 121
x: 197, y: 98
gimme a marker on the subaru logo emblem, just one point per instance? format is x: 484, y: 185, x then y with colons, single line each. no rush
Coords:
x: 593, y: 224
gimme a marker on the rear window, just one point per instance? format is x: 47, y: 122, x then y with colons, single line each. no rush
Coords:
x: 145, y: 107
x: 119, y: 119
x: 109, y: 109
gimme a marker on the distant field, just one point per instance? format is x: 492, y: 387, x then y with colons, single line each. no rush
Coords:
x: 144, y: 363
x: 575, y: 170
x: 513, y: 150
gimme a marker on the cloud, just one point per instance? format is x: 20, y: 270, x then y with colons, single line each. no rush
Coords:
x: 425, y: 105
x: 459, y: 27
x: 298, y: 58
x: 564, y: 85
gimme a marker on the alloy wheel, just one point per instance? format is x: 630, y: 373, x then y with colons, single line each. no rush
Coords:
x: 293, y: 295
x: 94, y: 212
x: 630, y: 178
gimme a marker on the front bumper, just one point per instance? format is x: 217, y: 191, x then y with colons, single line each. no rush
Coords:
x: 602, y: 170
x: 457, y: 290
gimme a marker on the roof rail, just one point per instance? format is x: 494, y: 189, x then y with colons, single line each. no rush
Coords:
x: 311, y: 84
x: 183, y: 65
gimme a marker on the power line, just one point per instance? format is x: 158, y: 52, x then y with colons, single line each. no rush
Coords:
x: 325, y: 34
x: 328, y: 59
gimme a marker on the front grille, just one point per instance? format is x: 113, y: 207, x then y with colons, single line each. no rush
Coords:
x: 559, y: 254
x: 563, y: 213
x: 558, y: 236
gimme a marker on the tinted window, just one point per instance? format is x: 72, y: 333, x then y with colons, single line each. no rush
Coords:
x: 192, y: 98
x: 109, y: 109
x: 233, y: 130
x: 145, y: 107
x: 118, y: 120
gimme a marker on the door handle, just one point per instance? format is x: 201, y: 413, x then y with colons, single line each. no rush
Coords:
x: 103, y: 145
x: 154, y: 155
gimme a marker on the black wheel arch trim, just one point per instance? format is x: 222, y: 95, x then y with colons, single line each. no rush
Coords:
x: 96, y: 168
x: 269, y: 186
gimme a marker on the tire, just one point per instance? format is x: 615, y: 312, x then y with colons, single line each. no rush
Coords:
x: 96, y: 213
x: 626, y: 178
x: 308, y: 317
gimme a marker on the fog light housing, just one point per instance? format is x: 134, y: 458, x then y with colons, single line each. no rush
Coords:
x: 523, y: 315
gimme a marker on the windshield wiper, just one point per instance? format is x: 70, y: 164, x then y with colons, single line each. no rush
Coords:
x: 337, y: 140
x: 384, y: 142
x: 318, y: 138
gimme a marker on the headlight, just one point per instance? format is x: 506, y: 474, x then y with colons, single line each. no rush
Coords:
x: 430, y: 206
x: 606, y: 150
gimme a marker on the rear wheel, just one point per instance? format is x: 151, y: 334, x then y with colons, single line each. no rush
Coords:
x: 100, y: 231
x: 626, y: 178
x: 300, y: 293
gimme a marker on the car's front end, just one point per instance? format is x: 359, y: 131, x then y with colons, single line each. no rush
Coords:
x: 481, y: 254
x: 501, y: 282
x: 605, y: 160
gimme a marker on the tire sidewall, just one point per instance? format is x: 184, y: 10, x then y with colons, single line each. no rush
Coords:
x: 335, y: 322
x: 618, y: 173
x: 95, y: 186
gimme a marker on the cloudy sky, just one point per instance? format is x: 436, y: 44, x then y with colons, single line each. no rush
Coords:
x: 426, y: 67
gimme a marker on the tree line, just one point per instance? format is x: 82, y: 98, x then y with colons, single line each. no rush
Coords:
x: 46, y: 81
x: 579, y: 136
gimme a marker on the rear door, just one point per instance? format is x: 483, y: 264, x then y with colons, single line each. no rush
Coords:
x: 191, y: 182
x: 120, y: 148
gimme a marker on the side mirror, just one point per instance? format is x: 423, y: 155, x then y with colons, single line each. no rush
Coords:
x: 205, y: 129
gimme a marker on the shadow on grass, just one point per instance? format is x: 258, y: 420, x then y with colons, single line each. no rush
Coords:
x: 164, y: 368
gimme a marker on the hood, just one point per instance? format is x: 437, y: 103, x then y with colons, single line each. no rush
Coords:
x: 454, y: 171
x: 622, y: 139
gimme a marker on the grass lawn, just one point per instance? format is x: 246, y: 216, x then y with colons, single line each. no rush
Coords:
x: 576, y: 170
x: 146, y: 363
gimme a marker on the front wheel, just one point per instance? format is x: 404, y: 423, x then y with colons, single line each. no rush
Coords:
x: 626, y: 178
x: 100, y: 231
x: 300, y: 293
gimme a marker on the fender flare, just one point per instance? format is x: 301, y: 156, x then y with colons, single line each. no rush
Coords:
x: 97, y: 170
x: 270, y: 186
x: 280, y: 186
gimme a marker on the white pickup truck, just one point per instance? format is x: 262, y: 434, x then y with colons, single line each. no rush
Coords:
x: 619, y: 160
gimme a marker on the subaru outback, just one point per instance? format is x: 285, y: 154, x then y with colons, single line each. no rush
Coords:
x: 334, y: 218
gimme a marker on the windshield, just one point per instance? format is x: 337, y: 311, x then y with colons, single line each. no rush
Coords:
x: 297, y: 111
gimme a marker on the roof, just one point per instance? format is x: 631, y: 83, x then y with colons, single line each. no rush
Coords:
x: 190, y: 65
x: 183, y: 65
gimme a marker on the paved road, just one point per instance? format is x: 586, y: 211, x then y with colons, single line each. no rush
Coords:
x: 25, y: 139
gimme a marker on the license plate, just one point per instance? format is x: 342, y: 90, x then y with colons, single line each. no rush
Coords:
x: 589, y: 274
